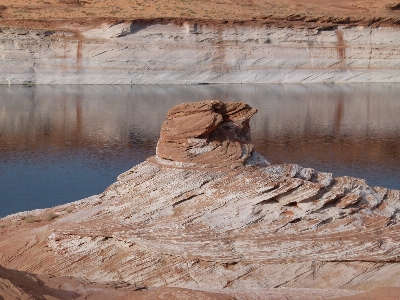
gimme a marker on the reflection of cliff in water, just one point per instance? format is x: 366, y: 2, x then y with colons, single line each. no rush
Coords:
x: 348, y: 121
x: 312, y: 125
x: 69, y: 119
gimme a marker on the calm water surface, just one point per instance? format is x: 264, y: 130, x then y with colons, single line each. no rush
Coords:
x: 63, y: 143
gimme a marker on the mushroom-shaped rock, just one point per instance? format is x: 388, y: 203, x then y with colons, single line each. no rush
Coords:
x: 209, y: 133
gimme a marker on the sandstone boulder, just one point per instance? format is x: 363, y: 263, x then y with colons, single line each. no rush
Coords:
x: 209, y: 134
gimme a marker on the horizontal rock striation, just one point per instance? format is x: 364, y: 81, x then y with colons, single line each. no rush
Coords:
x: 156, y: 52
x: 240, y: 231
x: 24, y: 286
x: 208, y: 134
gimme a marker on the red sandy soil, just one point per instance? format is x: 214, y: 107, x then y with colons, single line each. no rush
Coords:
x: 310, y: 13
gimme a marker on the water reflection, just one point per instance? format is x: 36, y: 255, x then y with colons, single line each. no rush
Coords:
x: 63, y: 143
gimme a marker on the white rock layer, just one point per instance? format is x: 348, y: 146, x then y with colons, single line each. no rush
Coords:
x: 153, y: 53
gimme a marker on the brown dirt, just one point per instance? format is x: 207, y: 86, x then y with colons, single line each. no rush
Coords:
x: 309, y: 13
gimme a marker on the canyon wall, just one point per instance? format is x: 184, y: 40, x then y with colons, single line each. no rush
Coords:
x: 152, y: 52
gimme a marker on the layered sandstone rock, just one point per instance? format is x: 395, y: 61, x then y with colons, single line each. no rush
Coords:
x: 24, y: 286
x: 115, y: 41
x: 209, y: 221
x: 208, y: 134
x: 163, y: 52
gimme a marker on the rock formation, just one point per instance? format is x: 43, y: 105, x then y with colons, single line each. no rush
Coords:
x: 204, y: 214
x: 175, y: 42
x: 24, y: 286
x: 109, y: 53
x: 208, y: 134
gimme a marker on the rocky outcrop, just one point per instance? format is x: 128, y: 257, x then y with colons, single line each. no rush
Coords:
x: 24, y: 286
x: 208, y: 134
x: 246, y: 231
x: 153, y: 52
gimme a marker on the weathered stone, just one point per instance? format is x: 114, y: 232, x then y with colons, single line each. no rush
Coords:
x: 208, y: 134
x: 214, y: 222
x: 120, y: 54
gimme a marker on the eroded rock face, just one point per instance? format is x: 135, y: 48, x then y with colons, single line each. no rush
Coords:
x: 191, y: 53
x: 209, y: 134
x: 17, y: 285
x: 200, y: 216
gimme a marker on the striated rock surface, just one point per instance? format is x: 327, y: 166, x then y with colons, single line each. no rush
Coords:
x: 172, y: 52
x: 209, y: 133
x: 196, y: 41
x: 24, y: 286
x: 195, y: 217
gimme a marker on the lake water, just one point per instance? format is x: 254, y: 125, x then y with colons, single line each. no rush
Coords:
x: 62, y: 143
